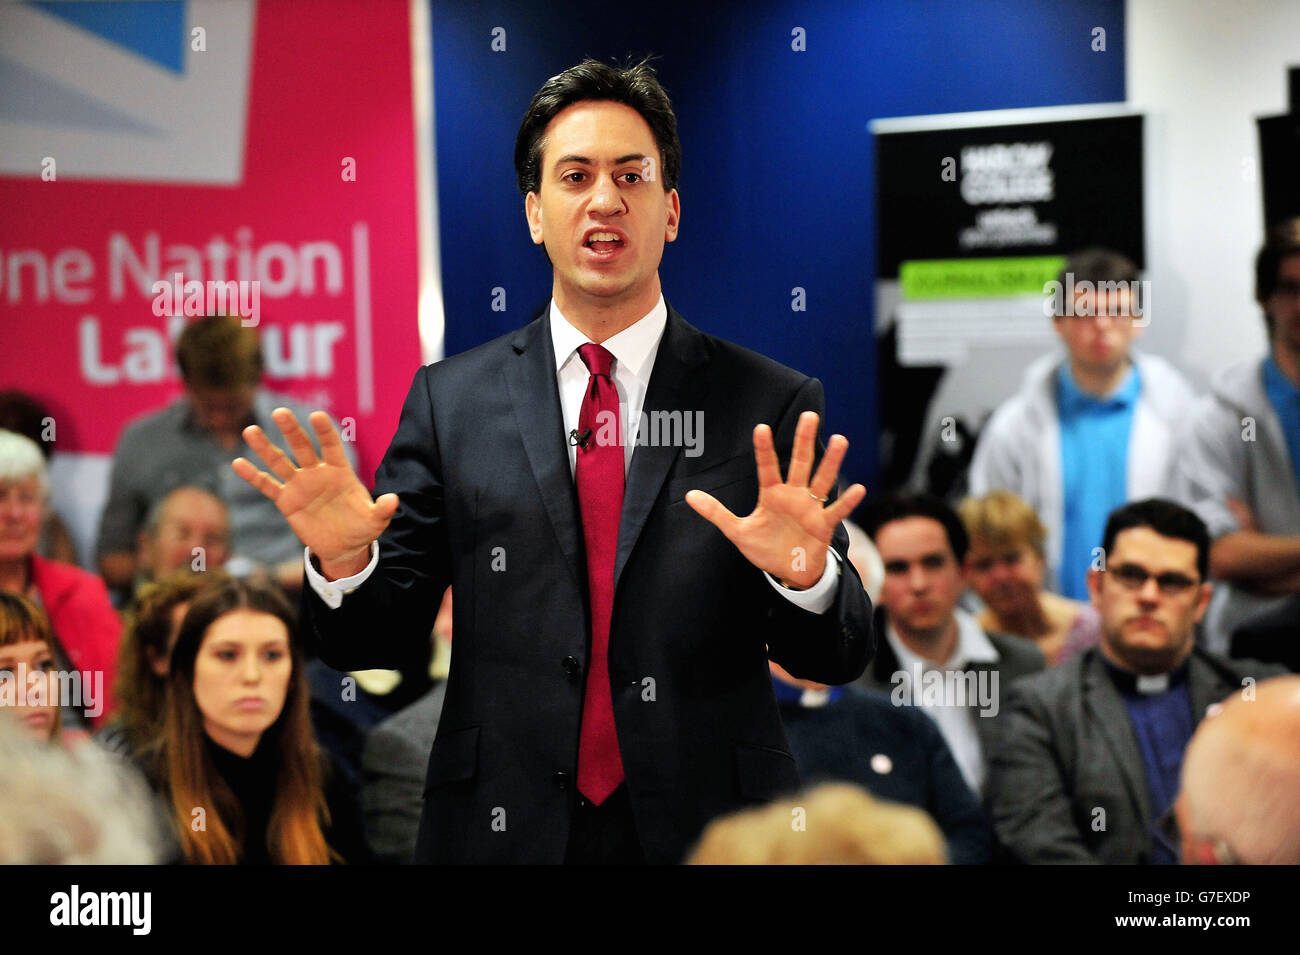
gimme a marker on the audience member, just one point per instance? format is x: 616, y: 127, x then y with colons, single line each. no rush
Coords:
x: 1240, y: 779
x: 934, y: 654
x: 23, y: 414
x: 29, y: 668
x: 71, y: 807
x: 76, y: 602
x: 153, y: 622
x: 394, y: 762
x: 844, y: 734
x: 1090, y: 430
x: 1090, y: 752
x: 1239, y: 459
x: 192, y: 442
x: 241, y: 776
x: 833, y: 824
x: 1005, y: 567
x: 187, y: 529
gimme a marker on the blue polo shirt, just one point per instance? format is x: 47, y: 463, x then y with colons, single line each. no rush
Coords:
x: 1094, y: 468
x: 1285, y: 399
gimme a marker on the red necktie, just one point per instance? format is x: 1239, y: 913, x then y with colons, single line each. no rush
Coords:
x: 600, y: 497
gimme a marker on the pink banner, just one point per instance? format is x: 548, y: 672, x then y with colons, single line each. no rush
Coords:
x: 319, y: 210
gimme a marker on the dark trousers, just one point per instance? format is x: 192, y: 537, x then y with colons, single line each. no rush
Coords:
x: 604, y: 834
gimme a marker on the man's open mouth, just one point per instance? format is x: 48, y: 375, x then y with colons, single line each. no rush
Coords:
x: 604, y: 243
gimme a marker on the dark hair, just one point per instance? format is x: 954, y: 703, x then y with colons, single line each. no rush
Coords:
x: 23, y: 414
x: 1282, y: 240
x: 634, y: 85
x: 896, y: 507
x: 1096, y: 265
x: 1165, y: 518
x: 219, y: 351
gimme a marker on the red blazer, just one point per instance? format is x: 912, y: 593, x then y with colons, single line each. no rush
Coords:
x: 83, y: 619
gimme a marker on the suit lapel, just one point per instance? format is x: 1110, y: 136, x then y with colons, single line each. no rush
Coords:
x: 1206, y: 685
x: 677, y: 383
x: 531, y: 384
x: 1105, y: 707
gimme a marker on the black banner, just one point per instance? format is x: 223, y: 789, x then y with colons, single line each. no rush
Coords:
x: 1031, y: 189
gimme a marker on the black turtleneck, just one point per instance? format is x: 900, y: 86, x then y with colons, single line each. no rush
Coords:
x: 253, y: 780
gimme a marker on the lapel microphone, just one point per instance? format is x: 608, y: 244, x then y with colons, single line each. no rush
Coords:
x: 580, y: 439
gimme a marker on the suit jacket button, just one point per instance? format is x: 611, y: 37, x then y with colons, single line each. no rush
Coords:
x: 572, y: 666
x: 561, y: 780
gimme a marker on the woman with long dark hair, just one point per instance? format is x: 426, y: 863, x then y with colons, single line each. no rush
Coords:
x: 238, y: 769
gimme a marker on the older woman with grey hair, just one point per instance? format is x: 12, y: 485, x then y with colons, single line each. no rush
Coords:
x: 76, y: 601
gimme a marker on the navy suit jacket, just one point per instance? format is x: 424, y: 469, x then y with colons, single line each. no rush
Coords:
x: 488, y: 505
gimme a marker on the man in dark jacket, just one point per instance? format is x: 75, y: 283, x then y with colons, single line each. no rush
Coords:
x: 895, y: 752
x: 932, y: 654
x: 1090, y: 752
x: 578, y: 482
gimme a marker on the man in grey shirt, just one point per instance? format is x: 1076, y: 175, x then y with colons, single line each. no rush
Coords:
x: 192, y: 442
x: 1238, y: 465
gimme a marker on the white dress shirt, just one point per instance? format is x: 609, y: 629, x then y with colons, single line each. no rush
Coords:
x: 956, y: 723
x: 634, y: 350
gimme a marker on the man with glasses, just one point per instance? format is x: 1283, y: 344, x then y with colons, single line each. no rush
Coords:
x: 1089, y: 430
x: 1089, y: 754
x: 1239, y: 458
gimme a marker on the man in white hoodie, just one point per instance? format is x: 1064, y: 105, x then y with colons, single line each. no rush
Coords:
x: 1088, y: 430
x: 1237, y: 462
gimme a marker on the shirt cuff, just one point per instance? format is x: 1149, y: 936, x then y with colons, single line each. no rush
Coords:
x: 817, y: 598
x: 332, y: 592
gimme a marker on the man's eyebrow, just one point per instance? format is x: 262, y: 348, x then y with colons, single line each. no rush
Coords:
x: 571, y: 157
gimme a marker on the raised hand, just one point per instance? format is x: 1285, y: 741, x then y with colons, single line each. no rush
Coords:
x: 790, y: 527
x: 325, y: 504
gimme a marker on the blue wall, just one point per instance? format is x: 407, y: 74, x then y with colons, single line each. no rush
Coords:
x: 777, y: 177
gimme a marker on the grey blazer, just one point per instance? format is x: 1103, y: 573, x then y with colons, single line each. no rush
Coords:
x: 392, y: 766
x: 1066, y: 781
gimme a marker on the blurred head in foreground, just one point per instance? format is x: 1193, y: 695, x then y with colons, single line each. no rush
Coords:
x: 78, y: 808
x: 1240, y: 798
x: 833, y: 824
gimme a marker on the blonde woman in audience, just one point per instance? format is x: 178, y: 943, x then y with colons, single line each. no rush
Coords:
x: 833, y: 824
x: 236, y: 764
x: 1005, y: 566
x: 29, y: 664
x: 152, y: 624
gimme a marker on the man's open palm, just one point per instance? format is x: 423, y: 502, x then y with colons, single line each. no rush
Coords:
x: 790, y: 527
x: 325, y: 504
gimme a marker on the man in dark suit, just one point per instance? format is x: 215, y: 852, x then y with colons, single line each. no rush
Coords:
x: 933, y: 654
x: 1090, y: 752
x: 608, y: 692
x: 895, y: 752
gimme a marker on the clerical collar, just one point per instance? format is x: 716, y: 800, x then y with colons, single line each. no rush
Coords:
x: 791, y: 695
x: 1136, y: 684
